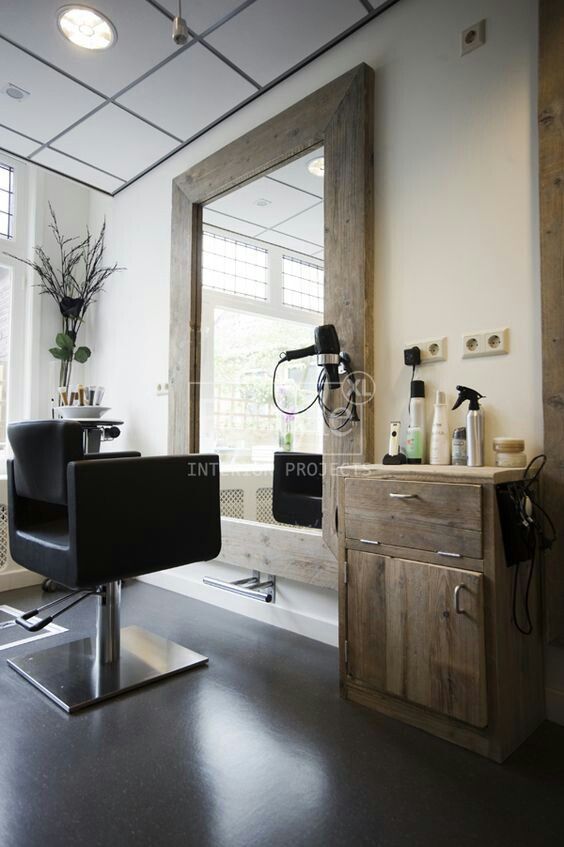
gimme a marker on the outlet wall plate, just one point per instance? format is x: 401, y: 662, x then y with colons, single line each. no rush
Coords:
x: 489, y: 342
x: 432, y: 349
x: 162, y: 388
x: 473, y: 37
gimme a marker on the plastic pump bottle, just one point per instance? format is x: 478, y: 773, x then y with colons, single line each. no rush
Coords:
x: 474, y: 425
x: 439, y: 454
x: 415, y: 441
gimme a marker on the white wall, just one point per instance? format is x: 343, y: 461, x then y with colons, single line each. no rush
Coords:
x: 456, y: 231
x: 35, y: 318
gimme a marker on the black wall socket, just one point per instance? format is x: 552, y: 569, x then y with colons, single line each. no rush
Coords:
x: 412, y: 356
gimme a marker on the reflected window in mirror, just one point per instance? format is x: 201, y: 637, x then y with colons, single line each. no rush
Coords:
x: 241, y: 344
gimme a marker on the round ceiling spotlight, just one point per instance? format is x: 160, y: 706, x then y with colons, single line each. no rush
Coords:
x: 316, y: 167
x: 86, y: 27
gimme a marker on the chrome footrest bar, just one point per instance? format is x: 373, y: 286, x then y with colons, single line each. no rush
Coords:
x: 253, y: 586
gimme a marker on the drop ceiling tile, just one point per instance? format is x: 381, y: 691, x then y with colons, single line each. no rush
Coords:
x: 69, y: 167
x: 14, y: 143
x: 270, y: 36
x: 54, y: 101
x: 144, y: 39
x: 282, y: 202
x: 188, y: 93
x: 309, y: 225
x: 231, y: 224
x: 297, y: 174
x: 117, y: 142
x: 201, y: 14
x: 289, y: 243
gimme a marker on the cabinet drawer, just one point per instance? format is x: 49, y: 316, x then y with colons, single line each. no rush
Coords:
x: 431, y: 516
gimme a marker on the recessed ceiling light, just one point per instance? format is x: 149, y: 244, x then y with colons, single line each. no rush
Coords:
x: 262, y: 201
x: 86, y: 27
x: 316, y: 167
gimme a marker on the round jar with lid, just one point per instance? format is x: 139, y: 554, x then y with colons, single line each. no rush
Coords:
x: 509, y: 452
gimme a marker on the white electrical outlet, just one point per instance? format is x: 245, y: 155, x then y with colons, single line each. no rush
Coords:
x: 472, y: 344
x: 432, y: 349
x: 496, y: 342
x: 490, y: 342
x: 162, y: 388
x: 473, y: 37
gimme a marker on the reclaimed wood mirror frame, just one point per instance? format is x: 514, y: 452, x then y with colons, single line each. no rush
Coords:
x: 339, y: 117
x: 551, y: 191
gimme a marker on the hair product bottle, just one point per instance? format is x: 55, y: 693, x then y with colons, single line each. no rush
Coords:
x: 439, y: 453
x: 474, y: 424
x: 415, y: 441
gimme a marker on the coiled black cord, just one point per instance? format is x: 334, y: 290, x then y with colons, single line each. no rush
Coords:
x: 525, y: 499
x: 335, y: 419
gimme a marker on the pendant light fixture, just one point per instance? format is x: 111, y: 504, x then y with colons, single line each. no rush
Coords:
x: 180, y: 34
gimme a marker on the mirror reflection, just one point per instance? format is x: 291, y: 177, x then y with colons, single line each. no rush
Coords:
x: 262, y: 293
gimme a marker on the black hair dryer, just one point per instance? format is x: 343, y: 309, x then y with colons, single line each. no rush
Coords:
x: 328, y: 351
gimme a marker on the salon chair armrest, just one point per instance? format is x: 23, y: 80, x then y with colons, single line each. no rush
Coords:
x: 133, y: 516
x: 125, y: 454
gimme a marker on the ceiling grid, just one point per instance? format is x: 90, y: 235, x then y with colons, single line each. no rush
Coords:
x: 105, y: 118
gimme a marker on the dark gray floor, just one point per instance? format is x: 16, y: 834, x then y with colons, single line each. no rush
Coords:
x: 257, y: 750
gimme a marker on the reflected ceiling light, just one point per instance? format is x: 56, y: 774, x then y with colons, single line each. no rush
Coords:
x: 86, y: 27
x: 316, y: 167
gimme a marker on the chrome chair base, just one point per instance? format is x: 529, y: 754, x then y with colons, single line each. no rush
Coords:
x: 74, y: 676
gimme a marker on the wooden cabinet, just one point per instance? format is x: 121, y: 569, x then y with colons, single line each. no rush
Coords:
x: 425, y: 606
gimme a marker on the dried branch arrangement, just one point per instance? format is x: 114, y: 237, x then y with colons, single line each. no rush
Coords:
x: 74, y: 286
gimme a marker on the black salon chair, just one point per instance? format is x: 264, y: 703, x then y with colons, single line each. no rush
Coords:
x: 89, y: 521
x: 296, y: 488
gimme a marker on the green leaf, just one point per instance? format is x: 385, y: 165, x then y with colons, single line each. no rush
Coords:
x: 62, y: 355
x: 82, y: 355
x: 64, y: 341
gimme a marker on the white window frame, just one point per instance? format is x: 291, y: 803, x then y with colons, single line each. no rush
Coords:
x: 24, y: 310
x: 272, y: 307
x: 8, y: 239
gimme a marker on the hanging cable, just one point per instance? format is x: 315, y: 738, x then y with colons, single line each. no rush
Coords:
x: 529, y: 531
x: 275, y: 401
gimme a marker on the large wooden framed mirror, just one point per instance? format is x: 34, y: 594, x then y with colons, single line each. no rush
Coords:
x: 323, y: 246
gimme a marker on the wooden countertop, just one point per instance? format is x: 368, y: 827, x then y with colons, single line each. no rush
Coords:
x: 430, y: 473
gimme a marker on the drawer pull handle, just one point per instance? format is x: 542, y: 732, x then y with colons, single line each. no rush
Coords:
x: 450, y: 555
x: 367, y: 541
x: 403, y: 496
x: 457, y: 591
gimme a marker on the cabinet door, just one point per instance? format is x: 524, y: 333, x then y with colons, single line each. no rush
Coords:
x: 366, y: 618
x: 417, y: 631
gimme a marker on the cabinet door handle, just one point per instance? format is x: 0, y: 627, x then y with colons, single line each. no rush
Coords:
x: 450, y: 555
x: 403, y: 496
x: 367, y: 541
x: 457, y: 590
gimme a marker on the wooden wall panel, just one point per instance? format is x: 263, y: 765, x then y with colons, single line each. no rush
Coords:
x: 551, y: 179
